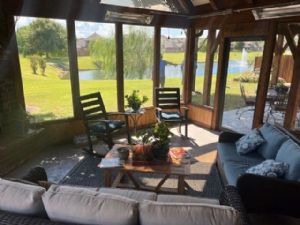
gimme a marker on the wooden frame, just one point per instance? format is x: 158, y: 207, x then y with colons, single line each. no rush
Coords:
x: 74, y: 76
x: 120, y: 66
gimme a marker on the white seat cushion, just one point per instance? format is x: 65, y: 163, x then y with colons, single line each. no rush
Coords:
x: 186, y: 199
x: 84, y: 206
x: 158, y: 213
x: 132, y: 194
x: 21, y: 198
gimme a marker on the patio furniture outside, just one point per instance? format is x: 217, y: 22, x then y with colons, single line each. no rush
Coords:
x: 130, y: 167
x: 249, y: 102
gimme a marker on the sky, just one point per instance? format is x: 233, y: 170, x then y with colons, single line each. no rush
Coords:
x: 85, y: 29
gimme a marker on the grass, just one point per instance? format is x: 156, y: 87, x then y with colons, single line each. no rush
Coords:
x: 49, y: 97
x: 86, y: 62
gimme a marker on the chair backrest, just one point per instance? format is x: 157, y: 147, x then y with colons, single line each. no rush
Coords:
x: 92, y: 106
x: 281, y: 101
x: 167, y: 98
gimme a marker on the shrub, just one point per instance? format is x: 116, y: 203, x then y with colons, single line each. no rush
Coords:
x: 34, y: 61
x: 247, y: 78
x: 42, y: 64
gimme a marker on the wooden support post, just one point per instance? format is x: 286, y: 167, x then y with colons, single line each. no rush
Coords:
x: 294, y: 94
x: 277, y: 59
x: 221, y: 82
x: 120, y: 66
x: 156, y: 60
x: 189, y: 65
x: 209, y: 63
x: 73, y: 64
x: 12, y: 65
x: 263, y: 83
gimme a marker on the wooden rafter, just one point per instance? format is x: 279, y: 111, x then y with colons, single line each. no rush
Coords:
x: 290, y: 39
x: 217, y: 4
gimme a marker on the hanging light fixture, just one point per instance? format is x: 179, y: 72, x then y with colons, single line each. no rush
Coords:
x: 128, y: 17
x: 276, y: 12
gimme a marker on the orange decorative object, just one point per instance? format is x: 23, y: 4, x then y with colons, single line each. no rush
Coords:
x: 142, y: 152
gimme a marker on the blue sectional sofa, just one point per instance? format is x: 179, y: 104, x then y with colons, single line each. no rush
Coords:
x: 261, y: 193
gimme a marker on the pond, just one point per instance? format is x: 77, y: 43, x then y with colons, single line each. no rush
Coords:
x: 234, y: 67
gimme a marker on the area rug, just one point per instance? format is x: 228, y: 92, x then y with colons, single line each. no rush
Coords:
x: 204, y: 180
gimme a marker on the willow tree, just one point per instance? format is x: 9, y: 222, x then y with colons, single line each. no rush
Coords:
x: 103, y: 53
x: 138, y: 54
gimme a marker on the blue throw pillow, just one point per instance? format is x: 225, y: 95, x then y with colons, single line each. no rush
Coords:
x: 289, y: 153
x: 269, y: 168
x: 249, y: 142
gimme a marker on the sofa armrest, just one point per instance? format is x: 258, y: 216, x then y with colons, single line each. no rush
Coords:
x: 227, y: 136
x: 269, y: 195
x: 231, y: 197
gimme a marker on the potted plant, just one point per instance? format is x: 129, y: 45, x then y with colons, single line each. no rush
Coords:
x: 143, y: 150
x: 162, y: 137
x: 134, y: 101
x: 159, y: 136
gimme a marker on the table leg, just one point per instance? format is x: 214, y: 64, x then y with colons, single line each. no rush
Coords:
x: 107, y: 178
x: 157, y: 189
x: 118, y: 179
x: 181, y: 184
x: 134, y: 181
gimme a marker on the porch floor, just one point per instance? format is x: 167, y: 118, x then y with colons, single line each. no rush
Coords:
x: 59, y: 160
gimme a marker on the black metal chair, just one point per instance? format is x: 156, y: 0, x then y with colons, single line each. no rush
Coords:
x: 97, y: 122
x: 168, y: 107
x: 249, y: 102
x: 278, y: 105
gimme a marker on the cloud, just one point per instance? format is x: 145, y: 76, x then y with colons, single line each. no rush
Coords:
x: 85, y: 29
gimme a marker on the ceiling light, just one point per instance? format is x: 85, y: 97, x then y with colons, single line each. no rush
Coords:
x: 128, y: 17
x: 276, y: 12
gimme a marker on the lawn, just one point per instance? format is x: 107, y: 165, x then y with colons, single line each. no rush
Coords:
x: 86, y: 62
x: 49, y: 97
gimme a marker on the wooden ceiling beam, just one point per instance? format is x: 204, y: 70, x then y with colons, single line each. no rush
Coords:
x: 217, y: 4
x: 289, y: 36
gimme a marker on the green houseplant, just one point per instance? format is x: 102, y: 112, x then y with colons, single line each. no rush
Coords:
x: 134, y: 101
x: 159, y: 136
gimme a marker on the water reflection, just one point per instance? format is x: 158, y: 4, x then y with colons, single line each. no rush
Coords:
x: 234, y: 67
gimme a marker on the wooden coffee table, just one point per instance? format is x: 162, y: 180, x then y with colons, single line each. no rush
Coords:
x: 130, y: 168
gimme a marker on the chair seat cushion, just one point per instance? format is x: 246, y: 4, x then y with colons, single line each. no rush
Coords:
x: 112, y: 124
x: 170, y: 116
x: 21, y: 198
x: 138, y: 196
x: 82, y: 206
x: 227, y: 153
x: 160, y: 213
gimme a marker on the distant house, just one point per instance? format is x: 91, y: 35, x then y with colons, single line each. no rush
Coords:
x: 82, y: 44
x: 172, y: 44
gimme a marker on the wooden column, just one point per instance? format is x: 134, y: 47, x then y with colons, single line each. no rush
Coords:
x: 12, y: 64
x: 120, y: 66
x: 73, y: 64
x: 277, y: 59
x: 221, y: 82
x: 294, y: 94
x: 156, y: 60
x: 189, y: 65
x: 263, y: 83
x: 209, y: 63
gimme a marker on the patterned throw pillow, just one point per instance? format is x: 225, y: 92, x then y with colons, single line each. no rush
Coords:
x: 249, y: 142
x: 269, y: 168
